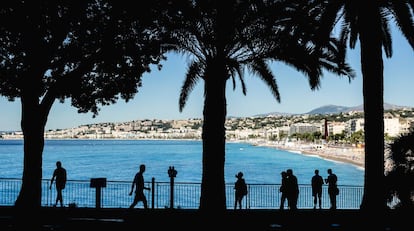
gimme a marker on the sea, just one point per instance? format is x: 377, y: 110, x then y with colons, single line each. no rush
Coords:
x: 119, y: 160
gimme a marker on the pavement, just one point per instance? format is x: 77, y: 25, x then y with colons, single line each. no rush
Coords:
x: 74, y: 219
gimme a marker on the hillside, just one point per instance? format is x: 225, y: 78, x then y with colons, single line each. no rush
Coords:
x: 335, y: 109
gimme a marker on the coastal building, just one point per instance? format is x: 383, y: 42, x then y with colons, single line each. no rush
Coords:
x: 270, y: 128
x: 391, y: 125
x: 356, y: 125
x: 301, y: 128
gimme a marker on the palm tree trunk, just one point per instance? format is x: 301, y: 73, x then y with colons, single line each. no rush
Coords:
x: 373, y: 89
x: 213, y: 195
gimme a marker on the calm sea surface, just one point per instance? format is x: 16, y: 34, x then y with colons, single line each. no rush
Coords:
x: 120, y: 159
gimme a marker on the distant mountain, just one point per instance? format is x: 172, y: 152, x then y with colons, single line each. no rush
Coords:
x: 329, y: 109
x: 274, y: 114
x: 334, y: 109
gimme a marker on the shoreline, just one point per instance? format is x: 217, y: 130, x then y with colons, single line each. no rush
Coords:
x: 349, y: 155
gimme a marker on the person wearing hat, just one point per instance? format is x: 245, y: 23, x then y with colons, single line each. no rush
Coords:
x: 240, y: 188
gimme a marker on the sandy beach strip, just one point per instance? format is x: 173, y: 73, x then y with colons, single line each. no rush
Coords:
x: 350, y: 155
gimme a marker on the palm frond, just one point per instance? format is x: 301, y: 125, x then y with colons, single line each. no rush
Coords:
x: 236, y: 69
x: 402, y: 149
x: 403, y: 14
x: 192, y: 76
x: 262, y: 70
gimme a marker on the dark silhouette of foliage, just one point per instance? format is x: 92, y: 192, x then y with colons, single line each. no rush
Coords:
x: 92, y: 53
x: 226, y: 38
x: 400, y: 179
x: 373, y: 32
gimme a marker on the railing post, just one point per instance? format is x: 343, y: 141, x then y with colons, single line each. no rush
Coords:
x: 153, y: 192
x: 172, y: 173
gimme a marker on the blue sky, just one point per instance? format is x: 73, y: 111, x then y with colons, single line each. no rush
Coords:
x: 158, y: 96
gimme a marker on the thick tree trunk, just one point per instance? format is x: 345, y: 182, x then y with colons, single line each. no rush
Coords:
x: 29, y: 200
x: 374, y: 200
x: 213, y: 194
x: 32, y: 124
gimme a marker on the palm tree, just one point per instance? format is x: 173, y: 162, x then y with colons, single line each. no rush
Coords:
x: 400, y: 178
x: 225, y: 38
x: 372, y: 30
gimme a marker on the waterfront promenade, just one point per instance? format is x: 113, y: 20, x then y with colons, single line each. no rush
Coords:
x: 175, y: 219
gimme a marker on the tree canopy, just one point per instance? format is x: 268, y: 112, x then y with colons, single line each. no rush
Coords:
x: 91, y: 52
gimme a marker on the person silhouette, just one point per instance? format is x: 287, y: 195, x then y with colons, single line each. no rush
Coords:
x: 292, y: 189
x: 59, y: 176
x: 138, y: 184
x: 317, y: 182
x: 240, y: 190
x: 331, y: 180
x: 282, y: 190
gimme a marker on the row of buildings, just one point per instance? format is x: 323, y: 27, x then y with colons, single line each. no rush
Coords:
x: 269, y: 127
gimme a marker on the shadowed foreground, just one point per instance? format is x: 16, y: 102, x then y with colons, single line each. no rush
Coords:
x: 124, y: 219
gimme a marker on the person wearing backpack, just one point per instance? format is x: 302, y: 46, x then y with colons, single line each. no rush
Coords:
x: 333, y: 190
x: 240, y: 188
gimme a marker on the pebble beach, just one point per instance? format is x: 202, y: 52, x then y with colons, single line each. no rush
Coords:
x: 351, y: 155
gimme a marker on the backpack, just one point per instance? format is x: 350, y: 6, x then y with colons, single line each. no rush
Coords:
x: 244, y: 188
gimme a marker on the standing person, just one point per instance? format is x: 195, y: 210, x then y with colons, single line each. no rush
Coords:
x: 292, y: 189
x: 317, y: 183
x: 282, y: 190
x: 240, y: 188
x: 59, y: 176
x: 333, y: 190
x: 138, y: 184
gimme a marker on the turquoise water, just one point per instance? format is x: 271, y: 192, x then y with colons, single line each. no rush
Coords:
x: 120, y: 159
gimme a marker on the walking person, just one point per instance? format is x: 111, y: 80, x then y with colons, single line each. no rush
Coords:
x: 282, y: 189
x: 138, y: 184
x: 240, y: 188
x: 317, y: 182
x: 292, y: 189
x: 333, y: 190
x: 59, y: 176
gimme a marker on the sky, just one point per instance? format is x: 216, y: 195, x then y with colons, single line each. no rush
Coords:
x: 158, y: 97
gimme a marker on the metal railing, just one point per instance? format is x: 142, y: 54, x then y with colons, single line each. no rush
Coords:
x: 185, y: 195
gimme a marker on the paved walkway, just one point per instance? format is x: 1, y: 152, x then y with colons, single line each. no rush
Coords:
x: 73, y: 219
